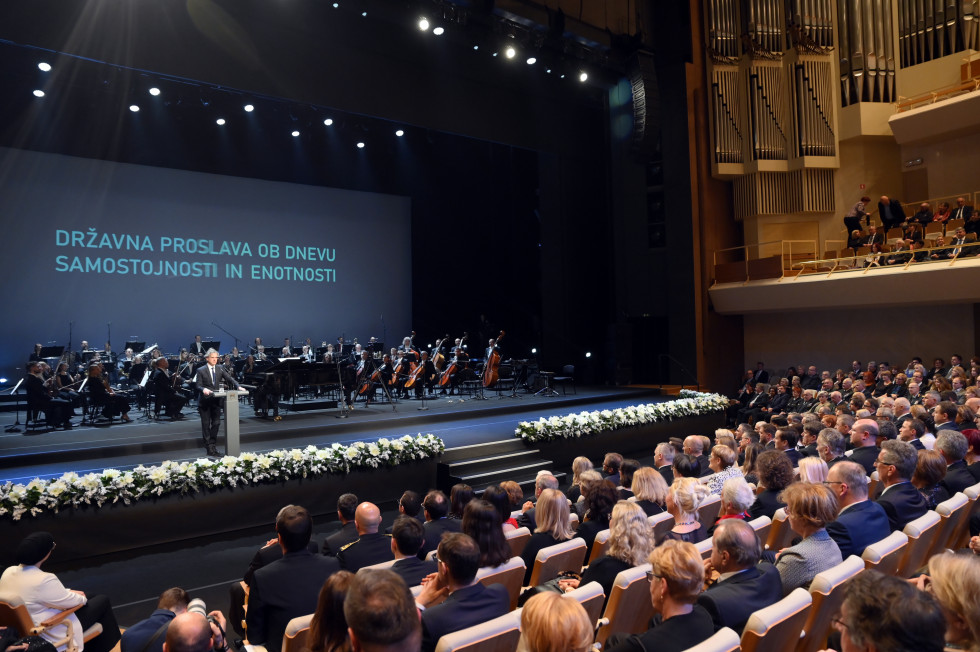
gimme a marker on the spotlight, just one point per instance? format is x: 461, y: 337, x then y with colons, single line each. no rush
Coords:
x: 3, y: 380
x: 494, y: 54
x: 510, y: 52
x: 295, y: 133
x: 154, y: 91
x: 588, y: 354
x: 249, y: 108
x: 401, y: 133
x: 534, y: 351
x: 548, y: 70
x: 39, y: 93
x: 220, y: 121
x: 423, y: 24
x: 360, y: 146
x: 134, y: 108
x: 439, y: 31
x: 531, y: 61
x: 336, y: 4
x: 328, y: 121
x: 44, y: 66
x: 562, y: 76
x: 363, y: 14
x: 582, y: 76
x: 476, y: 47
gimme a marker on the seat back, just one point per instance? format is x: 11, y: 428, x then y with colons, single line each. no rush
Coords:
x: 962, y: 538
x: 780, y: 534
x: 762, y: 526
x: 498, y: 635
x: 628, y: 609
x: 704, y: 547
x: 873, y: 484
x: 661, y: 524
x: 573, y: 521
x: 599, y: 545
x: 724, y: 640
x: 709, y: 510
x: 591, y: 597
x: 921, y: 533
x: 778, y: 626
x: 827, y: 596
x: 884, y: 556
x: 13, y: 613
x: 297, y: 633
x: 510, y: 574
x: 382, y: 566
x: 567, y: 555
x: 517, y: 539
x: 952, y: 512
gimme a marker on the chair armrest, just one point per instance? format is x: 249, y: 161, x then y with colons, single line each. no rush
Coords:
x: 57, y: 618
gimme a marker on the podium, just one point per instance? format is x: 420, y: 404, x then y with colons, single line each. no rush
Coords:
x: 232, y: 438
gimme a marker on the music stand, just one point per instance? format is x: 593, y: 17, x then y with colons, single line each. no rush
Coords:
x: 212, y: 344
x: 377, y: 347
x: 14, y: 427
x: 52, y: 352
x: 135, y: 346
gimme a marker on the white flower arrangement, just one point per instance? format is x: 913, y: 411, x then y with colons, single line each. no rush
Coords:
x: 591, y: 423
x: 113, y: 486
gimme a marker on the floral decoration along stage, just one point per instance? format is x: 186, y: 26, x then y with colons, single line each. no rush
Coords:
x: 582, y: 424
x: 112, y: 485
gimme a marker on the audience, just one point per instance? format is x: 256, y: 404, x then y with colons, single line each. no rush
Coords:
x: 683, y: 500
x: 551, y: 623
x: 552, y: 527
x: 543, y: 481
x: 775, y: 473
x: 481, y: 522
x: 650, y: 490
x: 626, y: 471
x: 954, y: 580
x: 860, y: 522
x: 346, y: 506
x: 459, y: 496
x: 381, y: 614
x: 736, y: 498
x: 809, y: 508
x: 500, y: 499
x: 813, y: 470
x: 435, y: 506
x: 407, y: 536
x: 902, y: 502
x: 192, y: 632
x: 371, y: 547
x: 148, y: 635
x: 599, y: 502
x: 749, y: 468
x: 579, y: 465
x: 722, y: 464
x: 928, y: 476
x: 328, y: 628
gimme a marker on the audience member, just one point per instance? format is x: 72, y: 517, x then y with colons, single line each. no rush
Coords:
x: 435, y: 506
x: 459, y: 496
x: 722, y: 464
x: 813, y: 470
x: 371, y: 547
x: 749, y: 467
x: 928, y: 477
x: 809, y: 508
x: 579, y: 465
x: 650, y: 490
x: 481, y: 521
x: 328, y: 628
x: 552, y: 527
x: 864, y: 438
x: 346, y: 506
x: 953, y: 446
x: 542, y: 482
x: 736, y: 498
x: 954, y: 580
x: 684, y: 498
x: 550, y: 623
x: 663, y: 459
x: 901, y: 500
x: 599, y: 502
x: 192, y: 632
x: 499, y: 498
x: 626, y: 471
x: 149, y: 634
x: 694, y: 447
x: 775, y: 474
x: 407, y: 536
x: 860, y: 522
x: 685, y: 466
x: 610, y: 466
x: 381, y: 614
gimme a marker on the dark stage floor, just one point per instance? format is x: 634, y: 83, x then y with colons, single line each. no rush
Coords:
x: 206, y: 567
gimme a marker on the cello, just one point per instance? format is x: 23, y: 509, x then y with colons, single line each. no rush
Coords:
x: 491, y: 369
x: 452, y: 367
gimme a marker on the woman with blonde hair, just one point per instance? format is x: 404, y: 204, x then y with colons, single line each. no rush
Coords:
x: 588, y: 481
x: 551, y: 515
x: 809, y: 507
x: 579, y: 466
x: 954, y: 580
x: 683, y: 500
x: 813, y: 470
x: 550, y: 623
x: 650, y: 490
x: 722, y: 461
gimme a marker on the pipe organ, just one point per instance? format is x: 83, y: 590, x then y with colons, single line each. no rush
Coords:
x: 930, y: 29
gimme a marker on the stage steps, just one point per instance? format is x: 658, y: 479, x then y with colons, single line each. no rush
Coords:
x: 482, y: 465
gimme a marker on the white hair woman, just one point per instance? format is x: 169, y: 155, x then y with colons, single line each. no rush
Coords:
x: 736, y: 498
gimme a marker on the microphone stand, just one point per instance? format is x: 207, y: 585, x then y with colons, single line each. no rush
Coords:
x: 237, y: 340
x: 345, y: 409
x: 15, y: 426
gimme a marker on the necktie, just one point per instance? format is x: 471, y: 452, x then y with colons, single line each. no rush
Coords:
x: 212, y: 374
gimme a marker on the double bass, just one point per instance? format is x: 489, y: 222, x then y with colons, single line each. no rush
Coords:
x: 452, y: 367
x: 491, y: 369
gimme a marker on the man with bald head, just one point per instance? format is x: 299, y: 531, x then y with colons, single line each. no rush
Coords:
x: 372, y: 547
x: 864, y: 437
x: 860, y: 521
x: 191, y: 632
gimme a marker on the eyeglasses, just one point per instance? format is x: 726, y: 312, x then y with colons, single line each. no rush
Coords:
x: 652, y: 576
x: 832, y: 482
x: 838, y: 623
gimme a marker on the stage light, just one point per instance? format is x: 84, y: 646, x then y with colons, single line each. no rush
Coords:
x: 2, y: 381
x: 336, y: 4
x: 562, y: 76
x: 588, y: 354
x: 423, y: 24
x: 401, y: 133
x: 360, y: 146
x: 494, y: 54
x: 548, y: 70
x: 39, y: 93
x: 295, y: 133
x: 476, y: 47
x: 328, y: 121
x: 154, y: 91
x: 44, y: 66
x: 510, y: 52
x: 439, y: 31
x: 134, y: 108
x: 220, y: 121
x: 249, y: 108
x: 531, y: 61
x: 534, y: 351
x: 363, y: 14
x: 582, y: 76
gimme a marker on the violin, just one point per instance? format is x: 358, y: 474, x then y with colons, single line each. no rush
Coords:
x: 453, y: 366
x: 491, y: 370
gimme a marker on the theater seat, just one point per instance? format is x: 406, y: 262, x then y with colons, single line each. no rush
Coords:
x: 953, y: 512
x: 567, y: 555
x: 724, y: 640
x: 781, y: 533
x: 884, y: 556
x: 778, y: 626
x: 921, y: 532
x: 14, y: 614
x: 599, y: 545
x: 591, y: 597
x: 628, y: 610
x: 510, y: 574
x: 498, y: 635
x: 517, y: 539
x: 827, y: 596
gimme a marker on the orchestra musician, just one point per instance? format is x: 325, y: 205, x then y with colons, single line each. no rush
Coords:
x: 267, y: 396
x: 256, y: 345
x: 165, y: 386
x: 400, y: 372
x: 197, y: 346
x: 108, y: 360
x: 249, y: 367
x: 341, y: 347
x: 36, y: 355
x: 209, y: 379
x: 63, y: 383
x: 463, y: 372
x: 428, y: 378
x: 235, y: 354
x: 409, y: 349
x: 125, y: 364
x: 307, y: 354
x: 365, y: 367
x: 57, y: 411
x: 357, y: 355
x: 102, y: 394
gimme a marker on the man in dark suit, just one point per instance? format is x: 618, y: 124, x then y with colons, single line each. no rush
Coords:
x: 694, y: 446
x: 962, y: 211
x: 953, y: 446
x: 830, y: 446
x: 900, y: 499
x: 864, y: 436
x: 407, y: 536
x: 371, y: 547
x: 754, y: 409
x: 289, y: 587
x: 944, y: 416
x: 860, y: 521
x: 165, y: 387
x: 435, y: 506
x: 890, y: 212
x: 744, y: 585
x: 663, y: 458
x: 209, y: 378
x: 197, y: 347
x: 786, y: 441
x: 911, y: 430
x: 610, y: 466
x: 467, y: 601
x: 346, y: 507
x: 760, y: 375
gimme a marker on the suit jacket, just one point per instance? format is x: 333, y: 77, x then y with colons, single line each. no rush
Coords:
x: 949, y: 425
x: 732, y: 601
x: 282, y: 591
x: 974, y: 470
x: 135, y: 638
x: 463, y: 608
x: 766, y: 503
x: 958, y: 477
x: 265, y: 556
x: 865, y: 456
x: 809, y: 451
x: 333, y: 543
x: 902, y: 503
x: 673, y: 635
x: 45, y: 597
x: 526, y: 519
x: 703, y: 462
x: 368, y: 550
x: 858, y: 526
x: 794, y: 456
x: 917, y: 445
x: 413, y: 569
x: 434, y: 531
x: 668, y: 473
x: 203, y: 379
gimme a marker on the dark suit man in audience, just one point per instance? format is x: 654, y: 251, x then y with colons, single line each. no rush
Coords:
x: 407, y: 537
x: 694, y: 446
x: 860, y: 521
x: 148, y: 635
x: 745, y: 585
x: 890, y: 212
x: 467, y: 601
x: 910, y: 431
x: 192, y: 632
x: 944, y: 416
x: 435, y: 506
x: 610, y: 466
x: 864, y: 436
x: 808, y: 444
x: 543, y: 481
x: 381, y: 614
x: 830, y: 446
x: 663, y: 458
x: 346, y: 506
x: 901, y: 500
x: 786, y: 440
x: 289, y: 587
x: 371, y: 547
x: 953, y: 446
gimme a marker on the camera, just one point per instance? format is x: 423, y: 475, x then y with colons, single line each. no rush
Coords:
x: 197, y: 606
